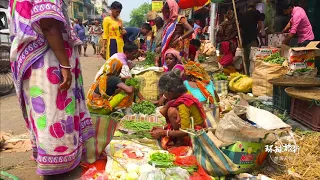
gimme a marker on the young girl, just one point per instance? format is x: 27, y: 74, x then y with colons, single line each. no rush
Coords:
x: 113, y: 31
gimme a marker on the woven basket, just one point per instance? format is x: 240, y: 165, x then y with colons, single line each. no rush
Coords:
x: 295, y: 81
x: 307, y: 94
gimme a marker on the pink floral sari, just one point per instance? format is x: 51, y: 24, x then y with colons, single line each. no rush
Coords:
x: 58, y: 120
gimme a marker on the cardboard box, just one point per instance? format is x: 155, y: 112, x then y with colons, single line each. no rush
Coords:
x: 275, y: 40
x: 246, y: 155
x: 301, y: 57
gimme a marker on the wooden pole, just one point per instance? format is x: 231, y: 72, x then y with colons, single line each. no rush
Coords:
x: 240, y: 39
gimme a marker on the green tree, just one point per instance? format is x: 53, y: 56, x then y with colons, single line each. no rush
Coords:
x: 138, y: 15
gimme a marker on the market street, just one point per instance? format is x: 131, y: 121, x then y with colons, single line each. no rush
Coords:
x: 19, y: 163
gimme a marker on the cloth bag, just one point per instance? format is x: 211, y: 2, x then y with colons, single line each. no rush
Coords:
x: 105, y: 126
x: 262, y: 73
x: 221, y: 87
x: 210, y: 157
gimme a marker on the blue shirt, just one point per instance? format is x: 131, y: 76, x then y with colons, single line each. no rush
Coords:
x: 132, y: 34
x: 80, y: 31
x: 197, y: 93
x: 195, y: 26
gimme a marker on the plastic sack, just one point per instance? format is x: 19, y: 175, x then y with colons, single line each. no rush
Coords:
x: 156, y: 174
x: 240, y: 83
x: 177, y: 173
x: 232, y: 127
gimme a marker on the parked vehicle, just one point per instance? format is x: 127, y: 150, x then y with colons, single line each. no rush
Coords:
x: 6, y: 83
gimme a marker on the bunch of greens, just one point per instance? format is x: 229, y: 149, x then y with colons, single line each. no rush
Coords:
x: 220, y: 76
x: 302, y: 70
x: 133, y: 82
x: 201, y: 58
x: 144, y: 107
x: 162, y: 160
x: 275, y: 59
x: 150, y: 58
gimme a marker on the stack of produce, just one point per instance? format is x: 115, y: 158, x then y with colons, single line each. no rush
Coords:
x: 140, y: 128
x: 220, y: 76
x: 150, y: 58
x: 144, y: 107
x: 134, y: 82
x: 275, y: 59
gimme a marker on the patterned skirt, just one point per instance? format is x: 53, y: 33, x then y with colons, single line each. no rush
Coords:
x: 58, y: 120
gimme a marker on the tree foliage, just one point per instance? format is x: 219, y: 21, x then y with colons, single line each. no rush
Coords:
x: 138, y: 15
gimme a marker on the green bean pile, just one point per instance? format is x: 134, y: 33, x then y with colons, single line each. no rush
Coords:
x: 141, y: 128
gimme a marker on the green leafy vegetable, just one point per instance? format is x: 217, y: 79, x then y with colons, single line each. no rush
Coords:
x: 275, y: 59
x: 220, y: 76
x: 303, y: 70
x: 144, y: 107
x: 162, y: 160
x: 133, y: 82
x: 201, y: 58
x: 150, y: 58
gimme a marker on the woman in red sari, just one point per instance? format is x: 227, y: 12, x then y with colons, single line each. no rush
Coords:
x: 181, y: 108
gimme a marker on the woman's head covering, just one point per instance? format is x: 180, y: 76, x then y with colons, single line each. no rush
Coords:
x: 175, y: 53
x: 174, y: 10
x: 111, y: 67
x: 196, y: 72
x: 201, y: 78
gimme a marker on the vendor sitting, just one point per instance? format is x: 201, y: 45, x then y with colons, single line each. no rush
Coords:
x: 181, y: 108
x: 173, y: 60
x: 108, y: 92
x: 199, y: 84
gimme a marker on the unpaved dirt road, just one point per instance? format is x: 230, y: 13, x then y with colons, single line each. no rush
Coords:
x: 11, y: 120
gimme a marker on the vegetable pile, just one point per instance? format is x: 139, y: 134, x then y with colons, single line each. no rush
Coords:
x: 201, y: 58
x: 144, y: 107
x: 150, y: 58
x: 302, y: 70
x: 162, y: 160
x: 220, y: 76
x: 141, y: 128
x: 133, y: 82
x: 275, y: 59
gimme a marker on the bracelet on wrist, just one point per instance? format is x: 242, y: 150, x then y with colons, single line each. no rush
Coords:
x: 168, y: 133
x: 65, y: 67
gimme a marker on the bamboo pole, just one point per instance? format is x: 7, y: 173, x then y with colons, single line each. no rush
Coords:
x: 240, y: 39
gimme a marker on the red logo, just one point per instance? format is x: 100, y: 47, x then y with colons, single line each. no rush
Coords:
x: 247, y: 158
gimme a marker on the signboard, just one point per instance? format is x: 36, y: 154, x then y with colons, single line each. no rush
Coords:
x: 157, y: 6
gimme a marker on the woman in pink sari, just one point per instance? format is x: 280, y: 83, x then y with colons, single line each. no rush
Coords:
x: 47, y: 75
x: 173, y: 60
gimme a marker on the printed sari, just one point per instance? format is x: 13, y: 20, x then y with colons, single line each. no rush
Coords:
x: 103, y: 103
x: 58, y: 120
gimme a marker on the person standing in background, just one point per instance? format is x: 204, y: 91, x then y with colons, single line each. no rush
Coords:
x: 262, y: 34
x: 113, y: 32
x: 95, y: 31
x: 80, y: 31
x: 299, y: 24
x: 250, y: 25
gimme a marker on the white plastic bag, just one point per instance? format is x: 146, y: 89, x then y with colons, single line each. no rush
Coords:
x: 177, y: 173
x: 152, y: 175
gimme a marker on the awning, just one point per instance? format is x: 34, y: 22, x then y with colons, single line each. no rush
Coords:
x: 198, y: 8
